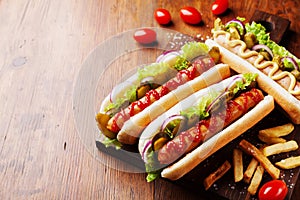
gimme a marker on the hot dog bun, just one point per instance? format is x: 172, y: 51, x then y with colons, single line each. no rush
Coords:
x: 132, y: 129
x: 229, y: 55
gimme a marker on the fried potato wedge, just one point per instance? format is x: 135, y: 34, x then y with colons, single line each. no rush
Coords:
x: 270, y: 140
x: 289, y: 163
x: 250, y: 170
x: 216, y: 175
x: 250, y: 149
x: 280, y: 148
x: 256, y: 180
x: 277, y: 131
x: 238, y: 165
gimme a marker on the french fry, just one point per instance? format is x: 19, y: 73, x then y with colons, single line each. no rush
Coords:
x: 250, y: 149
x: 277, y: 131
x: 289, y: 163
x: 280, y: 148
x: 213, y: 177
x: 256, y: 180
x: 270, y: 140
x: 250, y: 170
x: 237, y: 165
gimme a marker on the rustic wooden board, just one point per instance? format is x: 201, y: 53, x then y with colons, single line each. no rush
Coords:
x: 43, y: 46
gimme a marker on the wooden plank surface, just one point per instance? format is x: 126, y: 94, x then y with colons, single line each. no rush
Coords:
x: 43, y: 46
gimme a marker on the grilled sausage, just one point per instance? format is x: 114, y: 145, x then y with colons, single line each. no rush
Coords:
x: 186, y: 141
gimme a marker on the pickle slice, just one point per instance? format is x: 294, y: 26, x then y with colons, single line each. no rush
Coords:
x: 102, y: 120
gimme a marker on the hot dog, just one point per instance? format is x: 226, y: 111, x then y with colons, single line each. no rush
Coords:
x: 177, y: 141
x: 246, y: 47
x: 127, y: 111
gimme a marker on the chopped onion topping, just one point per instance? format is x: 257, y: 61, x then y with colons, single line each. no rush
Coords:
x: 262, y: 46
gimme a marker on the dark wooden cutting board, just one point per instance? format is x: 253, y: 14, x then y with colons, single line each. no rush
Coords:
x: 226, y: 187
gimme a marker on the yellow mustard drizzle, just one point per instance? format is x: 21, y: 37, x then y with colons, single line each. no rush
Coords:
x: 259, y: 63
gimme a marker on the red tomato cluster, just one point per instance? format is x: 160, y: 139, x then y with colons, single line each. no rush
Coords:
x: 188, y: 14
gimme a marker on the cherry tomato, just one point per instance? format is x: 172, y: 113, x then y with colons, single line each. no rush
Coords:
x: 275, y: 189
x: 145, y: 36
x: 162, y: 16
x: 190, y: 15
x: 219, y: 7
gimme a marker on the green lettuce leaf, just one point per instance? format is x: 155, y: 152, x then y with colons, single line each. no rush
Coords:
x: 190, y: 51
x: 249, y: 78
x: 130, y: 95
x: 152, y: 168
x: 111, y: 143
x: 199, y: 110
x: 153, y: 70
x: 194, y: 49
x: 151, y: 176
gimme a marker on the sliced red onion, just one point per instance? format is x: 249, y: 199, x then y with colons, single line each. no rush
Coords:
x: 232, y: 83
x: 146, y: 148
x: 149, y: 79
x: 292, y: 60
x: 167, y: 55
x: 240, y: 23
x: 211, y: 105
x: 169, y: 119
x: 119, y: 90
x: 262, y: 46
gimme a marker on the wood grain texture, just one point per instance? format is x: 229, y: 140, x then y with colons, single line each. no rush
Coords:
x: 43, y: 45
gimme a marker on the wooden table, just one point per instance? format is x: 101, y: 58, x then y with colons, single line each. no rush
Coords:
x: 43, y: 46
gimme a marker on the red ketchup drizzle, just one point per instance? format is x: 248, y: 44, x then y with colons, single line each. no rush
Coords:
x: 186, y: 137
x: 198, y: 67
x: 115, y: 126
